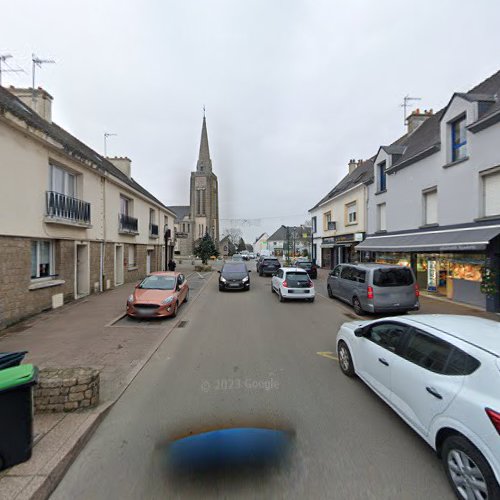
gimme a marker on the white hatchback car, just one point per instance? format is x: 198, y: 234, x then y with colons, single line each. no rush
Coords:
x: 292, y: 283
x: 441, y: 374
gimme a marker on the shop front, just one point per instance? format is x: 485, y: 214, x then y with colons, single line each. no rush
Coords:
x: 327, y: 245
x: 449, y: 263
x: 345, y: 248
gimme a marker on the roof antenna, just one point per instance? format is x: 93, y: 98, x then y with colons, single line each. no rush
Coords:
x: 203, y: 111
x: 3, y: 58
x: 37, y: 62
x: 106, y: 135
x: 406, y: 104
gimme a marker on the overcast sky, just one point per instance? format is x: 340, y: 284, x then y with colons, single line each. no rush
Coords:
x: 293, y: 89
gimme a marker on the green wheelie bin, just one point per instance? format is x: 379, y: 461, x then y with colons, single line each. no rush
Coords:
x: 16, y: 414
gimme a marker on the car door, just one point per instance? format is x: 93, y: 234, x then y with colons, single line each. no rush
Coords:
x: 333, y: 280
x: 345, y: 283
x: 376, y: 353
x: 276, y: 280
x: 426, y: 378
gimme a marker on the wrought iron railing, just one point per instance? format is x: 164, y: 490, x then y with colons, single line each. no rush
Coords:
x: 66, y: 207
x: 127, y: 223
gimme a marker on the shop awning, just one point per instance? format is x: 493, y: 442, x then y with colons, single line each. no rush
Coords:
x: 446, y: 240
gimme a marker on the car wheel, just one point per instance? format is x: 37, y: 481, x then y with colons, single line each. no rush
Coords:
x: 356, y: 304
x: 282, y: 299
x: 260, y: 273
x: 311, y: 300
x: 186, y: 298
x: 345, y: 359
x: 174, y: 314
x: 329, y: 290
x: 272, y: 288
x: 468, y: 472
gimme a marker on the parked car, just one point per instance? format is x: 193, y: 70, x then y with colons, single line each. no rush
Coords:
x: 158, y: 295
x: 245, y: 255
x: 237, y: 257
x: 292, y: 283
x: 375, y: 288
x: 309, y: 266
x: 234, y: 276
x: 267, y: 265
x: 441, y: 374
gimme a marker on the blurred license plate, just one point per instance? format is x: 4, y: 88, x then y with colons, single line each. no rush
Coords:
x: 144, y: 312
x: 234, y: 285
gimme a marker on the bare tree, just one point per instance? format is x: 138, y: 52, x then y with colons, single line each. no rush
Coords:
x: 233, y: 233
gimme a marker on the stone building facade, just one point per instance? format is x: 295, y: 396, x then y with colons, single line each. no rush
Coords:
x: 201, y: 216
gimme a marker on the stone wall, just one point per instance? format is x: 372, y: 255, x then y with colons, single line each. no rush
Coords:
x: 66, y: 389
x: 16, y: 299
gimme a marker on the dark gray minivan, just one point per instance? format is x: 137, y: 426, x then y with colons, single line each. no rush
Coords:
x: 375, y: 288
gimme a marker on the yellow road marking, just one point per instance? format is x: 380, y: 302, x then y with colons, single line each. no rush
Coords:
x: 328, y: 354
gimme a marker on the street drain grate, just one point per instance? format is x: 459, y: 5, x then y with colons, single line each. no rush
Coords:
x: 182, y: 324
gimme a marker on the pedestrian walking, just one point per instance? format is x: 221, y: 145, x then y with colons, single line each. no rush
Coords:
x: 171, y: 265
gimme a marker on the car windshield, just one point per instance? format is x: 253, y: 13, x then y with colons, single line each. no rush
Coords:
x: 158, y: 283
x: 393, y: 276
x: 234, y: 268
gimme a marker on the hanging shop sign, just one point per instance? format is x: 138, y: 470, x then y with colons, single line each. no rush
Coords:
x: 431, y: 275
x: 181, y: 235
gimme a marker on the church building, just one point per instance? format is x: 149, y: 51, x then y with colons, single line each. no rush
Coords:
x: 202, y: 214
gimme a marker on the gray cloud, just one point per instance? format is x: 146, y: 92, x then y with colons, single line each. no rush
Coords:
x: 293, y: 89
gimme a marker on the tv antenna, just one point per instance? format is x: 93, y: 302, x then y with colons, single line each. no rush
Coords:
x: 3, y: 58
x: 406, y: 104
x: 106, y: 135
x: 37, y: 62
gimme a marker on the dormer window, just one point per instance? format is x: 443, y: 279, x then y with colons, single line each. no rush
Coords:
x: 458, y: 139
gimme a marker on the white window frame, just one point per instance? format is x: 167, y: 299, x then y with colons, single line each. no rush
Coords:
x: 129, y: 205
x: 379, y: 218
x: 51, y: 260
x: 484, y: 175
x: 425, y: 212
x: 67, y: 175
x: 350, y: 212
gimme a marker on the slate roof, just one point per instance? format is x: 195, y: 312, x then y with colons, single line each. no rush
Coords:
x: 362, y: 174
x: 426, y: 139
x: 71, y: 145
x: 180, y: 211
x: 280, y: 233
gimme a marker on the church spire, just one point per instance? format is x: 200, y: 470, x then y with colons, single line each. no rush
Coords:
x: 204, y: 162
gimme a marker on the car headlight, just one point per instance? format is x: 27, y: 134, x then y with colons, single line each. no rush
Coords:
x: 223, y: 279
x: 130, y: 298
x: 245, y: 279
x: 168, y: 300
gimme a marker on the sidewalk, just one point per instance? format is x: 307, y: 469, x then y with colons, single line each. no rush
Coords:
x: 79, y: 334
x: 435, y: 305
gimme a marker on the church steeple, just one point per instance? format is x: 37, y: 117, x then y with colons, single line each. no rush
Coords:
x: 204, y: 162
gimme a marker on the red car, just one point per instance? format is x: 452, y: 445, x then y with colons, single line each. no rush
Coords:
x: 158, y: 295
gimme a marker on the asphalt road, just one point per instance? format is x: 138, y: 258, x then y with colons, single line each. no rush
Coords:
x: 244, y: 359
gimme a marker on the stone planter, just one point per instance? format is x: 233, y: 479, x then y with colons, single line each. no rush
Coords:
x: 66, y: 389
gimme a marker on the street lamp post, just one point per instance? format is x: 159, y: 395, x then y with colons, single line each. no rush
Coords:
x: 166, y: 235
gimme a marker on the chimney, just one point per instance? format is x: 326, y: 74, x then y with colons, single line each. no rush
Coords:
x: 122, y: 163
x: 39, y: 101
x: 352, y: 166
x: 417, y: 118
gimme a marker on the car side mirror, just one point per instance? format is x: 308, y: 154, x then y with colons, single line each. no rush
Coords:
x: 249, y: 270
x: 359, y: 332
x: 218, y: 272
x: 275, y: 274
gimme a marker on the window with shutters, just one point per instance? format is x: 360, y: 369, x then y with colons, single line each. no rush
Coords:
x: 491, y: 194
x: 430, y: 199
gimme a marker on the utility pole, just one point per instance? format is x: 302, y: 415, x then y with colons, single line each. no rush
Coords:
x: 3, y: 58
x: 406, y: 104
x: 106, y: 135
x: 37, y: 62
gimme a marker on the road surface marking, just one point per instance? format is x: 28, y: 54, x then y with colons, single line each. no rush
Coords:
x: 328, y: 354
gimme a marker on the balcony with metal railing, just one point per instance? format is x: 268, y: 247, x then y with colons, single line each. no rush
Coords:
x: 153, y: 230
x: 64, y: 209
x: 127, y: 224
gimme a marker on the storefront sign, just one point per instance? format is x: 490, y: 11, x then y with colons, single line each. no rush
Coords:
x: 345, y: 238
x: 359, y: 236
x: 328, y: 241
x: 181, y: 235
x: 431, y: 276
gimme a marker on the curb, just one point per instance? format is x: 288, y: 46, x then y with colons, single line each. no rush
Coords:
x: 41, y: 487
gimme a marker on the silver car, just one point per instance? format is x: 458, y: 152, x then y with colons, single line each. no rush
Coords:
x: 375, y: 288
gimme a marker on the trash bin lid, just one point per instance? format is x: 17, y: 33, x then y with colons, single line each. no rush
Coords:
x: 17, y: 375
